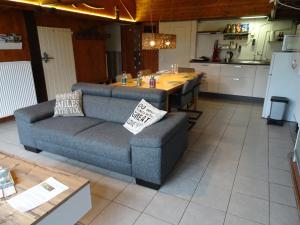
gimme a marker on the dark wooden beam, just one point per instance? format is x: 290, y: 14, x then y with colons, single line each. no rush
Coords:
x: 36, y: 59
x: 296, y: 182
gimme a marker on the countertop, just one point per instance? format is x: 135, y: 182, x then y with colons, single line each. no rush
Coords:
x: 234, y: 62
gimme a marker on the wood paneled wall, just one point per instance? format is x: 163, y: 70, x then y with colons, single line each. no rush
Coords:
x: 12, y: 21
x: 162, y: 10
x: 150, y: 60
x: 89, y: 54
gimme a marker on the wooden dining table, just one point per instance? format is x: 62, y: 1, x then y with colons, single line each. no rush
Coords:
x: 169, y: 82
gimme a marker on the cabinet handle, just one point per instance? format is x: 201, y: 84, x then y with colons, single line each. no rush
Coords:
x: 236, y: 79
x: 204, y: 65
x: 238, y: 66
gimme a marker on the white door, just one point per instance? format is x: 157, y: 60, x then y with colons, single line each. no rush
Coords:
x: 59, y: 70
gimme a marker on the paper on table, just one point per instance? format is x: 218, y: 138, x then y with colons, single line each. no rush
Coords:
x: 37, y: 195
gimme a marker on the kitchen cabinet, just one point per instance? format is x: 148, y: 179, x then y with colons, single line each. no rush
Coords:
x: 237, y: 79
x: 261, y: 81
x: 233, y: 79
x: 210, y: 82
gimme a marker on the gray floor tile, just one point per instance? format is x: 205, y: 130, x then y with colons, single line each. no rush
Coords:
x: 197, y: 214
x: 98, y: 204
x: 179, y: 187
x: 250, y: 208
x: 278, y: 176
x: 279, y: 163
x: 234, y: 220
x: 167, y: 208
x: 218, y: 178
x: 135, y: 197
x: 250, y: 170
x: 212, y: 196
x: 283, y: 215
x: 116, y: 214
x: 282, y: 194
x: 145, y: 219
x: 251, y: 187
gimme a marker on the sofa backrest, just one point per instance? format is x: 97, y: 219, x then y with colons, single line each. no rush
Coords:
x: 116, y: 104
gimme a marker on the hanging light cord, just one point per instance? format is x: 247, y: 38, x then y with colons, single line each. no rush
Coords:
x: 151, y: 18
x: 288, y: 6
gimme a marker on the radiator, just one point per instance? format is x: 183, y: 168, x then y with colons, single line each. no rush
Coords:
x: 16, y: 87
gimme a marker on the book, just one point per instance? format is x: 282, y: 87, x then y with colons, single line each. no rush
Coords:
x: 7, y: 184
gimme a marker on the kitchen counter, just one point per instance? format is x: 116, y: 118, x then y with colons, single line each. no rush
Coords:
x: 237, y: 62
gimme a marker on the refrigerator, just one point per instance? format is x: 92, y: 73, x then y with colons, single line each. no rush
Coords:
x: 284, y: 81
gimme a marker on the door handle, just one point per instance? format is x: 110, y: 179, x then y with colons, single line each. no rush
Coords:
x: 236, y: 79
x: 238, y: 66
x: 46, y: 57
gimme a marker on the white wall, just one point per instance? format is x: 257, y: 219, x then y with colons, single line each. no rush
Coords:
x: 185, y: 43
x: 114, y: 42
x: 260, y: 29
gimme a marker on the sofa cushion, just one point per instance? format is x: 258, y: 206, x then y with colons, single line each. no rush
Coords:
x: 109, y: 140
x: 61, y: 130
x: 155, y: 97
x: 108, y: 109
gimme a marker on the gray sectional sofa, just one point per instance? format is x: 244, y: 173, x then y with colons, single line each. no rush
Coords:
x: 100, y: 139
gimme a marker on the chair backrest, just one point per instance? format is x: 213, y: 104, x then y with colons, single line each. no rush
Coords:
x: 188, y: 86
x: 145, y: 72
x: 119, y: 77
x: 185, y: 70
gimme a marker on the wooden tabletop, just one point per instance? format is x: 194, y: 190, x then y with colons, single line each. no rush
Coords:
x: 169, y: 82
x: 27, y: 175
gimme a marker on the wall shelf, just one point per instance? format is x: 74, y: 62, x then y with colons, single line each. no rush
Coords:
x: 10, y: 45
x: 236, y: 36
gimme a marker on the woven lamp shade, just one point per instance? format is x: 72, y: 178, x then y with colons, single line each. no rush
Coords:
x: 151, y: 41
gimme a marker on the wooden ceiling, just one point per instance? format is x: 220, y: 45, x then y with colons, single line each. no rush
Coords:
x: 106, y: 8
x: 164, y: 10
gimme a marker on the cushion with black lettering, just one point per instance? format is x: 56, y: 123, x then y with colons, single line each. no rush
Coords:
x: 144, y: 115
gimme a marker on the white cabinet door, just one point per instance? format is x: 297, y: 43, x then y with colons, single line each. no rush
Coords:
x: 237, y: 79
x: 211, y: 80
x: 236, y: 86
x: 261, y: 81
x: 238, y: 70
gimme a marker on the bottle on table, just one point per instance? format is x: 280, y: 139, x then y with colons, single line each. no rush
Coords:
x: 124, y: 78
x: 139, y: 79
x: 152, y: 82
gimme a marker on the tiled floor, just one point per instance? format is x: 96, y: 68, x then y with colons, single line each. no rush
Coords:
x: 235, y: 172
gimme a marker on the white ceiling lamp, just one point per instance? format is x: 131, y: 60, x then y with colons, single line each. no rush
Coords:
x: 253, y: 17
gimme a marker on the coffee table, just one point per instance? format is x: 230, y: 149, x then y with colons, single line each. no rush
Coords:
x: 66, y: 208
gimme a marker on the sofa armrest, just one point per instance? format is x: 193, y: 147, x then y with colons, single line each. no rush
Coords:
x: 159, y: 133
x: 35, y: 113
x: 157, y: 148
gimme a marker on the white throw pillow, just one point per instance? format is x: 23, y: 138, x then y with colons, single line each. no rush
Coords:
x: 144, y: 115
x: 69, y: 104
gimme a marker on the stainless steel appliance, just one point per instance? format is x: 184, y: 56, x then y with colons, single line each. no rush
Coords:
x: 291, y: 43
